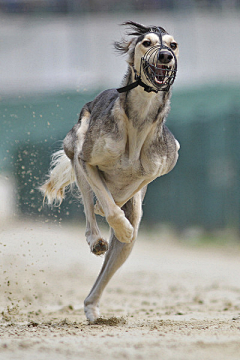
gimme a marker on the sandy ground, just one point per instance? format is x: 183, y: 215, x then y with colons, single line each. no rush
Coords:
x: 168, y: 301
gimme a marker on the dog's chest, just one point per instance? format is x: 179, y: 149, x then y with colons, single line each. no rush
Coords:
x: 125, y: 175
x: 131, y: 158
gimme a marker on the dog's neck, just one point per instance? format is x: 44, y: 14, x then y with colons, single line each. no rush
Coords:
x: 137, y: 82
x: 141, y: 107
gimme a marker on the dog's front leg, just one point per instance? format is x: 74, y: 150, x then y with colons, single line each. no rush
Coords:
x: 114, y: 215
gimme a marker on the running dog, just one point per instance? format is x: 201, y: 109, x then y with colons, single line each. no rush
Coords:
x: 119, y: 145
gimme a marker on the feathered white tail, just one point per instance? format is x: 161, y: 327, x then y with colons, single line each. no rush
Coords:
x: 61, y: 175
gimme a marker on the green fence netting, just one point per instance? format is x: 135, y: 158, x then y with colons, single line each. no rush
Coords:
x: 202, y: 190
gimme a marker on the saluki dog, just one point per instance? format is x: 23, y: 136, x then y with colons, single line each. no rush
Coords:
x: 119, y: 145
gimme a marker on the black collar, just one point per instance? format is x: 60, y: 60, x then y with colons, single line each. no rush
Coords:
x: 135, y: 84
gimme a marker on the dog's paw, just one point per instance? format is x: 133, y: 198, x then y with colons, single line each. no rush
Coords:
x: 92, y: 312
x: 125, y: 234
x: 122, y: 228
x: 99, y: 247
x: 98, y: 209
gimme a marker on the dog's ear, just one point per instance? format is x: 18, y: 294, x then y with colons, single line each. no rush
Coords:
x: 136, y: 29
x: 122, y: 46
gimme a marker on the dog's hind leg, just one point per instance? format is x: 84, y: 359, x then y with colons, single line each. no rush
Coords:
x: 117, y: 254
x: 93, y: 236
x: 114, y: 214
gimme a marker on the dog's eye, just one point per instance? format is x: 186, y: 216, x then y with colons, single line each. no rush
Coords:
x: 147, y: 43
x: 173, y: 45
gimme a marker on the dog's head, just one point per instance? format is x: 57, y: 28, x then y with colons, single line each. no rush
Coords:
x: 153, y: 54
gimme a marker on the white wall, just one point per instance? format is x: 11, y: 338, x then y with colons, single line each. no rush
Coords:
x: 7, y: 196
x: 56, y: 53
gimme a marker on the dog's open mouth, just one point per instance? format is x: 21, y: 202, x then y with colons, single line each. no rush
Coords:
x: 160, y: 72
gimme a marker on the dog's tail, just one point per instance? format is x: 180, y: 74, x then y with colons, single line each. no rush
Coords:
x: 61, y: 176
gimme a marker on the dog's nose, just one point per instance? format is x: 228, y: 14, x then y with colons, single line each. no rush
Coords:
x: 165, y: 57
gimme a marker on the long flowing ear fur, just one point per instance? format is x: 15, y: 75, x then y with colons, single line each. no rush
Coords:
x: 122, y: 46
x: 135, y: 28
x: 139, y: 29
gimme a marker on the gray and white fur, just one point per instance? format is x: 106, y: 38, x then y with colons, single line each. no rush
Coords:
x: 119, y: 145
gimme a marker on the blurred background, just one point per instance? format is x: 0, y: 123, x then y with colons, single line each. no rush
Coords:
x: 57, y: 54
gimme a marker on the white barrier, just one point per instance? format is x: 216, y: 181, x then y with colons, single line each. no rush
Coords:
x: 56, y: 53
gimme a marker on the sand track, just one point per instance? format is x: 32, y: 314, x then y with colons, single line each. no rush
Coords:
x: 167, y: 302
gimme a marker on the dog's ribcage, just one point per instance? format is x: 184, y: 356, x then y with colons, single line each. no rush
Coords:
x: 129, y: 153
